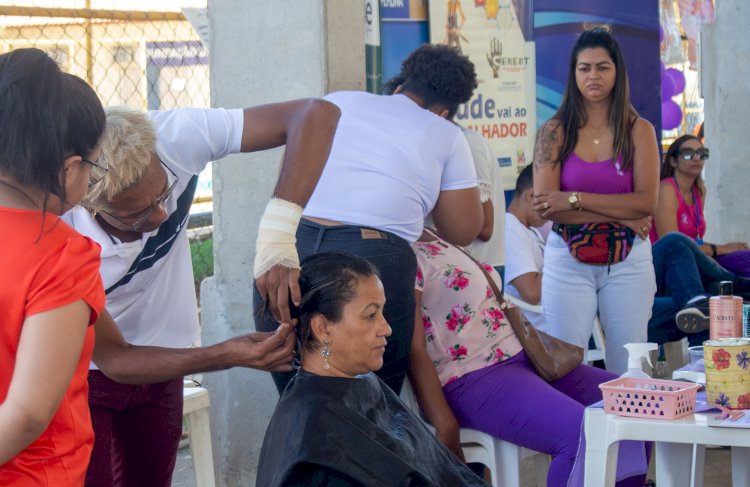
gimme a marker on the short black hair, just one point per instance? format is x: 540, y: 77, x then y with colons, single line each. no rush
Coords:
x: 439, y: 75
x: 525, y: 181
x: 328, y: 280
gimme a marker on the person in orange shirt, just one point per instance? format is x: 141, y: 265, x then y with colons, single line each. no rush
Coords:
x: 51, y: 292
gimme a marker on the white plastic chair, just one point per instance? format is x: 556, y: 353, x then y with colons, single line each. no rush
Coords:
x: 502, y: 458
x: 195, y: 411
x: 589, y: 356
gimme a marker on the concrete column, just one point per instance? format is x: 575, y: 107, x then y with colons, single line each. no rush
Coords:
x: 261, y: 52
x: 725, y: 71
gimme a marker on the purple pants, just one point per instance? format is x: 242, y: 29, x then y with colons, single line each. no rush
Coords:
x: 510, y: 401
x: 137, y: 432
x: 737, y: 262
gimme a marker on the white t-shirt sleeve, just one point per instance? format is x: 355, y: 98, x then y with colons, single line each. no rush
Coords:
x: 483, y: 162
x: 519, y: 249
x: 459, y: 172
x: 193, y: 137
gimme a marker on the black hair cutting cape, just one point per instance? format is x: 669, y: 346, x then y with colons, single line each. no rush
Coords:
x: 329, y: 431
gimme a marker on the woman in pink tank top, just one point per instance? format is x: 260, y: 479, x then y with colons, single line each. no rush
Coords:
x: 596, y: 165
x: 680, y: 206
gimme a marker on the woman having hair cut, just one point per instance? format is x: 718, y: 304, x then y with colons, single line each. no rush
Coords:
x: 596, y: 162
x: 50, y: 126
x: 337, y: 423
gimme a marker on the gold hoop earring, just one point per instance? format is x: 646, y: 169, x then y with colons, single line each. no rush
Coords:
x: 326, y: 353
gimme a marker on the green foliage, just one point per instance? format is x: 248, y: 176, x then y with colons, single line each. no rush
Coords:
x: 202, y: 254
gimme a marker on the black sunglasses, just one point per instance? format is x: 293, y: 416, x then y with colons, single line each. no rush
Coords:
x: 688, y: 154
x: 132, y: 222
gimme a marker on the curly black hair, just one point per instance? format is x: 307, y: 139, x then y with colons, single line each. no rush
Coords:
x: 390, y: 86
x: 439, y: 75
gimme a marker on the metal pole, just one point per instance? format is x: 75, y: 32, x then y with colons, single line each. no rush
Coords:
x: 88, y: 13
x: 89, y: 47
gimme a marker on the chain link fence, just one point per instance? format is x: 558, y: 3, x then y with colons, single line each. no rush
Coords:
x: 148, y: 59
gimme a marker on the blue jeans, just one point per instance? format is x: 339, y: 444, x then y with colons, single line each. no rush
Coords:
x: 397, y: 266
x: 662, y: 328
x: 683, y: 272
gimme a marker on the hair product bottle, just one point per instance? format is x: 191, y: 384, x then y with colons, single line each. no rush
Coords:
x: 636, y: 353
x: 726, y: 313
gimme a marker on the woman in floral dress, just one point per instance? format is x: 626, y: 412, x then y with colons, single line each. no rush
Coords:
x: 462, y: 333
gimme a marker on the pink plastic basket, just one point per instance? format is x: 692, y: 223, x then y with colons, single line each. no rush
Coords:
x: 649, y: 398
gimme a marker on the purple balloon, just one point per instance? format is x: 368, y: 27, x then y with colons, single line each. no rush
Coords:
x: 663, y: 70
x: 678, y: 80
x: 667, y: 88
x: 671, y: 115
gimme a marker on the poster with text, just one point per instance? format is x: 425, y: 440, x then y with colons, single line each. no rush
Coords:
x: 497, y: 36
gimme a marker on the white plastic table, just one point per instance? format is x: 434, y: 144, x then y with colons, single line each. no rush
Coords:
x: 674, y: 447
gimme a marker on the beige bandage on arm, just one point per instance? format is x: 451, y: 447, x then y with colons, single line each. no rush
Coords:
x: 276, y: 244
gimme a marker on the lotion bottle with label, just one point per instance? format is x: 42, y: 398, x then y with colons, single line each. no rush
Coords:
x: 726, y: 313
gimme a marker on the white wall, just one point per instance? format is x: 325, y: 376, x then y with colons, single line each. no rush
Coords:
x: 725, y: 77
x: 261, y: 51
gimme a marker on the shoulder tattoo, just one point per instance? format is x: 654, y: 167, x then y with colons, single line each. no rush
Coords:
x: 547, y: 143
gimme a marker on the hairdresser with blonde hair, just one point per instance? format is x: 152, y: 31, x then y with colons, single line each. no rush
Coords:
x: 138, y: 213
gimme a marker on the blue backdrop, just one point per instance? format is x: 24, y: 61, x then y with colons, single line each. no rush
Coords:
x: 635, y: 25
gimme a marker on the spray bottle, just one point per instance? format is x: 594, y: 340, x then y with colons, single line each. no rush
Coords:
x: 635, y: 352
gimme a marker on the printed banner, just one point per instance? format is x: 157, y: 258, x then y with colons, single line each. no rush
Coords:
x: 496, y: 36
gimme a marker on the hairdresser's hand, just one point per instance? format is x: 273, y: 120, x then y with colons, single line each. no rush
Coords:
x: 275, y: 287
x: 730, y: 247
x: 641, y: 226
x: 269, y: 351
x: 450, y: 436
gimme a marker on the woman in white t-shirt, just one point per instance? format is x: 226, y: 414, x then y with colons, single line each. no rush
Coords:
x: 394, y: 160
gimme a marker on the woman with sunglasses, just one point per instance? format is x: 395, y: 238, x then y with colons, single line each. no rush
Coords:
x: 50, y: 291
x: 682, y: 195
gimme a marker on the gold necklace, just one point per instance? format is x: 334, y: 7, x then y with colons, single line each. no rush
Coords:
x: 598, y: 138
